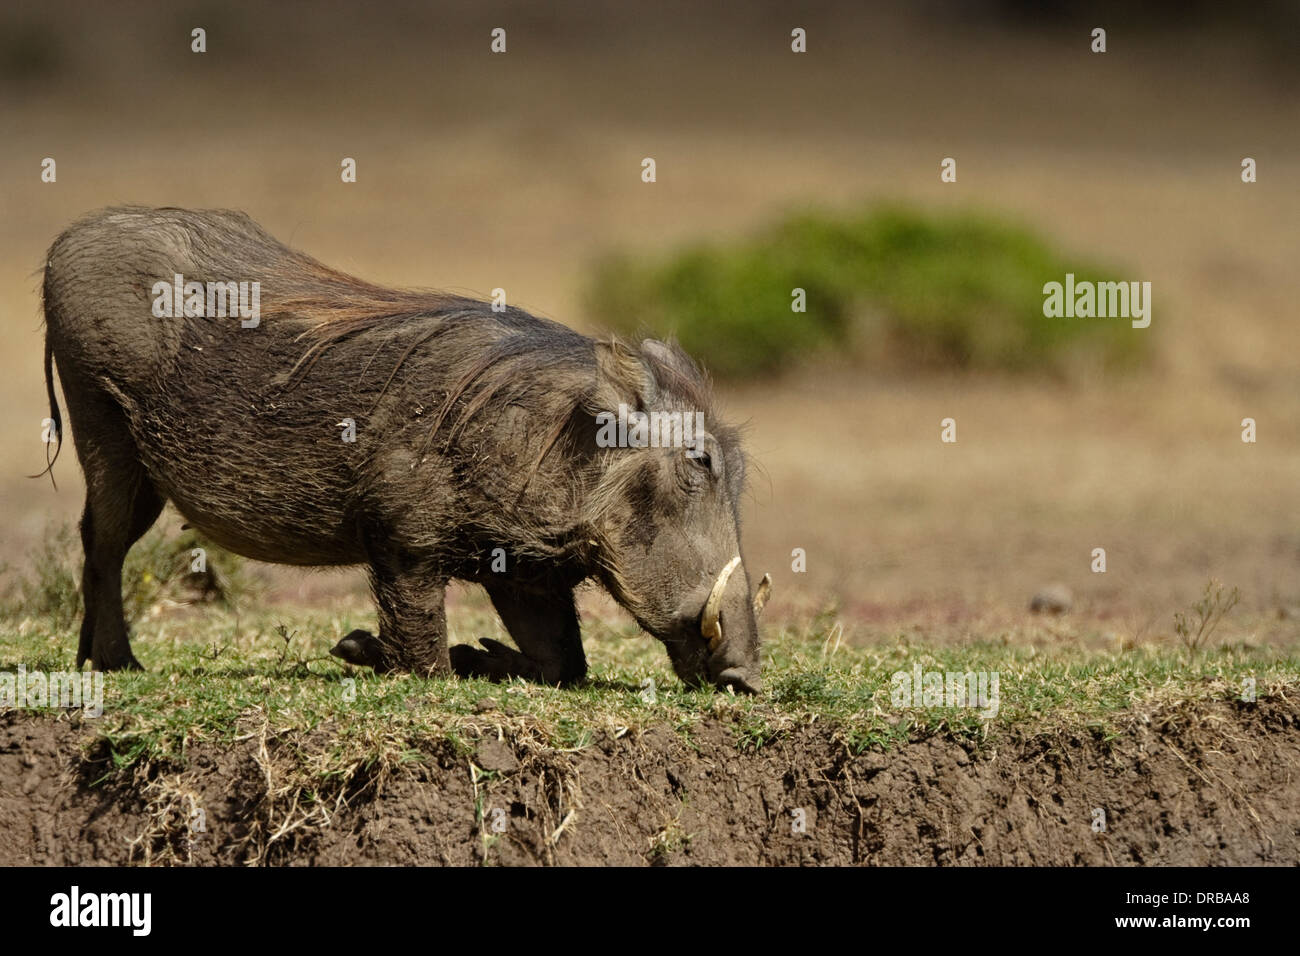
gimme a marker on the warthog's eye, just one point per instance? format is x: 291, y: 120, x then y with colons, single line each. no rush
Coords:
x: 701, y: 458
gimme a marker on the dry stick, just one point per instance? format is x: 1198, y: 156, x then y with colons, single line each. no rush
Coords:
x: 555, y: 837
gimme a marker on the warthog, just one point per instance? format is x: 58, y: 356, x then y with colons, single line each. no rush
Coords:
x: 423, y: 435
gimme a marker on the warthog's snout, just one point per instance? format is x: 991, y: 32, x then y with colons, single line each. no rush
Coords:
x: 729, y: 625
x: 740, y: 680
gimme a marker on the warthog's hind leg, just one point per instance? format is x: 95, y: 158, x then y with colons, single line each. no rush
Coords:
x: 121, y: 505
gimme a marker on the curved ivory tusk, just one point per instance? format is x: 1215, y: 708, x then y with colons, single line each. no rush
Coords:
x: 710, y: 625
x: 762, y: 594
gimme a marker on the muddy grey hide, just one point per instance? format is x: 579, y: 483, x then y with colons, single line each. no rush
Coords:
x: 298, y: 415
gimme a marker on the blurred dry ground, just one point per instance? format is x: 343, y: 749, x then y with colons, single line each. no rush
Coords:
x: 478, y: 171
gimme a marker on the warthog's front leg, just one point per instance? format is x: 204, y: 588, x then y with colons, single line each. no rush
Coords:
x: 544, y: 625
x: 412, y: 625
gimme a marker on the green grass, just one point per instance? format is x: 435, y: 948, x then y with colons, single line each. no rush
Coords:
x: 321, y: 734
x: 889, y: 288
x: 214, y: 677
x: 232, y: 671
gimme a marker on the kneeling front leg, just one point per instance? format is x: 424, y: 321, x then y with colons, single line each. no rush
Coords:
x: 412, y: 625
x: 544, y: 625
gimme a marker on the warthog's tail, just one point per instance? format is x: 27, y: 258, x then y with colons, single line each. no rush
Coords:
x: 55, y: 417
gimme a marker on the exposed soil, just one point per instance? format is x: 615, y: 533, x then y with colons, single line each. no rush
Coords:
x: 1217, y: 784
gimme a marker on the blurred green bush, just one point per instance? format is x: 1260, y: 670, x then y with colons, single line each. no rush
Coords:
x: 888, y: 288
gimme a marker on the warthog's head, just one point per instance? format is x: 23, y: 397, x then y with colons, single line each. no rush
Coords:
x: 668, y: 507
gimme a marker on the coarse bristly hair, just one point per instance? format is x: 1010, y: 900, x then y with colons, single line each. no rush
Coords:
x: 522, y: 352
x: 469, y: 431
x: 480, y: 360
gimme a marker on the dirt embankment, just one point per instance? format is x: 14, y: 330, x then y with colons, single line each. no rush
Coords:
x: 1216, y: 785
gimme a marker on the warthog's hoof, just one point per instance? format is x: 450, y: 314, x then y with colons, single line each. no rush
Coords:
x: 127, y: 663
x: 495, y: 662
x: 362, y: 649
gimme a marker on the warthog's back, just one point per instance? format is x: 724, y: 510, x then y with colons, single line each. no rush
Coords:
x: 102, y: 272
x: 190, y: 322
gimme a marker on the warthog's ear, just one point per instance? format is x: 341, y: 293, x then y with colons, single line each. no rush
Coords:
x: 669, y: 361
x: 622, y: 378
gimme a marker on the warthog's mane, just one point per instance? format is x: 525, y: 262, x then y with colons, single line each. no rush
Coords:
x: 540, y: 365
x: 516, y: 358
x: 547, y: 369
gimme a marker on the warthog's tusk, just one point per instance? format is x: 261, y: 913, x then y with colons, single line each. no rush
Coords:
x: 710, y: 625
x: 762, y: 594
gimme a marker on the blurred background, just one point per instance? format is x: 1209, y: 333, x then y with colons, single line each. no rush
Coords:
x: 774, y: 170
